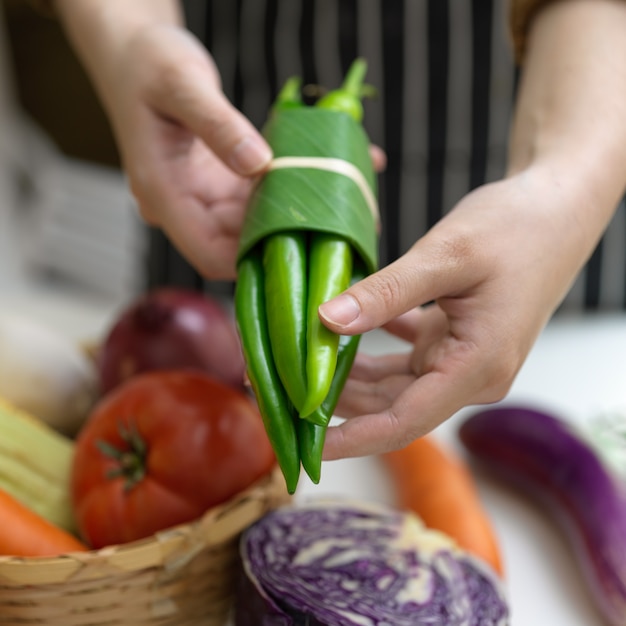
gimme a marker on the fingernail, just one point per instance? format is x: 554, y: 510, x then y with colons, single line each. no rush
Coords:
x: 250, y: 156
x: 341, y: 311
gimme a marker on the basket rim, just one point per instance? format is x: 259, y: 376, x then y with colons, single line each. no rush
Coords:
x: 169, y: 548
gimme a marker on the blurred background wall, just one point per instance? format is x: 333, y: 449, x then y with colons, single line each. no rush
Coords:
x: 52, y: 87
x: 66, y: 210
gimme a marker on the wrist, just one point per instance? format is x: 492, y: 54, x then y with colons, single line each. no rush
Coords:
x: 566, y: 216
x: 100, y: 31
x: 570, y: 119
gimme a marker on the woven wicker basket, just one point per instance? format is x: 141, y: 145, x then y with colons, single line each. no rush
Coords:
x: 183, y: 576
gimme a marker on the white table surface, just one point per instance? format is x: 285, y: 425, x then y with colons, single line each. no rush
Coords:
x: 576, y: 368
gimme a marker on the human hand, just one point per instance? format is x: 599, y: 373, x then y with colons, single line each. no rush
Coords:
x: 496, y: 267
x: 189, y: 155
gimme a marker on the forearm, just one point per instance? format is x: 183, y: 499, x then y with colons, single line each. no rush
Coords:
x: 570, y: 122
x: 99, y: 31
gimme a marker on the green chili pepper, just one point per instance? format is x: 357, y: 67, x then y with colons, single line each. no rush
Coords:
x: 348, y: 97
x: 285, y: 266
x: 274, y: 406
x: 311, y: 435
x: 312, y: 431
x: 330, y: 271
x: 330, y: 266
x: 285, y: 269
x: 290, y: 95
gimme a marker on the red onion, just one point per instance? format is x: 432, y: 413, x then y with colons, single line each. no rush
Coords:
x: 171, y: 328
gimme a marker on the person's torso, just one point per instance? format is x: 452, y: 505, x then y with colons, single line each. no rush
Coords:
x: 446, y: 82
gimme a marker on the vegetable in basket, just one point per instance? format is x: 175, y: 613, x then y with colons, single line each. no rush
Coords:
x: 45, y: 374
x: 35, y: 466
x: 162, y: 449
x: 332, y: 563
x: 543, y: 454
x: 26, y: 533
x: 311, y: 230
x: 171, y: 328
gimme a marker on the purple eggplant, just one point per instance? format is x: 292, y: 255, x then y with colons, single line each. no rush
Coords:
x: 331, y: 563
x: 544, y: 455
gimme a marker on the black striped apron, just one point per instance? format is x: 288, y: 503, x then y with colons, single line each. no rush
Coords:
x: 446, y: 80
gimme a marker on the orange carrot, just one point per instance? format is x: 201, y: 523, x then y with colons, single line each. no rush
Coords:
x: 25, y: 533
x: 439, y: 488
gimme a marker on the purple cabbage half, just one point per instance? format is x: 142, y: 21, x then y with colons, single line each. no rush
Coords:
x: 330, y: 563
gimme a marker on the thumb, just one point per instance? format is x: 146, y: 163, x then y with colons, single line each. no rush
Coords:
x: 191, y: 94
x: 370, y: 303
x: 419, y: 276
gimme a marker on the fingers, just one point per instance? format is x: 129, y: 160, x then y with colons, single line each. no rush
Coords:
x: 209, y: 248
x: 370, y: 369
x: 419, y: 324
x: 379, y: 158
x: 493, y: 294
x: 361, y: 397
x: 405, y: 411
x: 190, y: 93
x: 421, y: 327
x: 230, y: 135
x: 195, y: 199
x: 375, y: 381
x: 434, y: 267
x: 447, y: 372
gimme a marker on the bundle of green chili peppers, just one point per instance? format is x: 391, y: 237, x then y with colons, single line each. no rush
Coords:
x: 297, y: 367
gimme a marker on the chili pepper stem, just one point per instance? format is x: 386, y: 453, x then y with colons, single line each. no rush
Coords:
x: 353, y: 80
x: 290, y: 95
x: 347, y: 98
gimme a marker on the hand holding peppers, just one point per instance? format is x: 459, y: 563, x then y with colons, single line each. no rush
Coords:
x: 311, y: 231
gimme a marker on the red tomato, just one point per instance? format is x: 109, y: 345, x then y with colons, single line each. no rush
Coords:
x: 160, y: 450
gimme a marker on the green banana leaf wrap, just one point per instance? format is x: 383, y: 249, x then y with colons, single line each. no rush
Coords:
x: 315, y: 199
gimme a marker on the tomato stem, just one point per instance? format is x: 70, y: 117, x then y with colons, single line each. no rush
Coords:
x: 131, y: 460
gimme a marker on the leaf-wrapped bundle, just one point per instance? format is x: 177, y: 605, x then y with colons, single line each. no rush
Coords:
x: 309, y: 198
x: 311, y: 229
